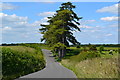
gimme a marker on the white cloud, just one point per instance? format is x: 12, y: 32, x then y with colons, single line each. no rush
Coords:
x: 45, y: 19
x: 113, y: 18
x: 84, y: 22
x: 92, y: 29
x: 85, y: 26
x: 37, y: 23
x: 15, y: 25
x: 46, y: 14
x: 17, y: 28
x: 7, y: 6
x: 6, y: 28
x: 14, y: 21
x: 108, y: 35
x: 12, y: 18
x: 19, y: 25
x: 41, y: 21
x: 109, y: 9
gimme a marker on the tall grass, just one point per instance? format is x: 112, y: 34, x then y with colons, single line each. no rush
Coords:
x: 92, y: 64
x: 93, y: 68
x: 18, y: 61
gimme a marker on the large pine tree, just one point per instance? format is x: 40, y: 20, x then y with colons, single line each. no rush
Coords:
x: 59, y: 32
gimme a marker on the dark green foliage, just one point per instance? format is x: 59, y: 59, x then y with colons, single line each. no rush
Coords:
x: 78, y: 46
x: 59, y: 30
x: 92, y: 48
x: 72, y: 52
x: 101, y: 48
x: 85, y: 55
x: 111, y: 52
x: 16, y: 64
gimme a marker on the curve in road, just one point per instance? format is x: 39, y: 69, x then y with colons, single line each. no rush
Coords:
x: 53, y: 69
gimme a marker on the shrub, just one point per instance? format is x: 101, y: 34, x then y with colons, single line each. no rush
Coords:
x: 101, y: 48
x: 78, y: 46
x: 85, y: 55
x: 89, y: 55
x: 92, y: 48
x: 16, y: 63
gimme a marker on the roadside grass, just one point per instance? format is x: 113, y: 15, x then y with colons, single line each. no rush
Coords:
x: 86, y: 64
x: 20, y: 60
x: 93, y: 68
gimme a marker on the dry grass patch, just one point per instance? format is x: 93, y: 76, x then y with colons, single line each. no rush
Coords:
x: 94, y: 68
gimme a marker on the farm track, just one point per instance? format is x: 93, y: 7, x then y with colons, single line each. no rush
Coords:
x: 53, y: 70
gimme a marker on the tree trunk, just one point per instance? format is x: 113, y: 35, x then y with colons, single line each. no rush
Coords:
x: 63, y: 52
x: 60, y: 53
x: 63, y: 41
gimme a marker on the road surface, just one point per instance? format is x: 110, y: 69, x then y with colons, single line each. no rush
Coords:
x: 53, y: 69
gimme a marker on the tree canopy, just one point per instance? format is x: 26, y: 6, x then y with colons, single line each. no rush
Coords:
x: 59, y: 32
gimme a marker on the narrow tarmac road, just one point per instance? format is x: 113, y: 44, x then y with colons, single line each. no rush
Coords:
x: 53, y: 69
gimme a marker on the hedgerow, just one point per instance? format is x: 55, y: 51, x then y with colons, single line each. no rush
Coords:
x: 16, y: 63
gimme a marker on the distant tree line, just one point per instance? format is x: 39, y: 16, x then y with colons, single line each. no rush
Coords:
x: 97, y: 45
x: 18, y: 44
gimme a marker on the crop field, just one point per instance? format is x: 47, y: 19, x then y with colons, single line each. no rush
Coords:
x: 92, y: 64
x: 20, y: 60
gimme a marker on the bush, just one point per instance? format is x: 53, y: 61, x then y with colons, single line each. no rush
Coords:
x: 101, y: 48
x: 78, y: 46
x: 89, y: 55
x: 92, y: 48
x: 85, y: 55
x: 16, y: 64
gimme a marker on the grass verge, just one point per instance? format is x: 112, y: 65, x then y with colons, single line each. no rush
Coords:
x: 93, y: 68
x: 90, y: 64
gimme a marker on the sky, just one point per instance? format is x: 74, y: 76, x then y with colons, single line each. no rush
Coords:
x: 60, y: 0
x: 20, y: 21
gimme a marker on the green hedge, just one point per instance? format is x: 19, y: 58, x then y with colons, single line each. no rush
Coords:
x: 85, y: 55
x: 16, y: 64
x: 35, y: 46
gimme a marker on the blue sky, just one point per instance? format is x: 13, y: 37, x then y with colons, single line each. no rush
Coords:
x: 21, y: 20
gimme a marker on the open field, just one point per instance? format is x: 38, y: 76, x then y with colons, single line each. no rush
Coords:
x: 90, y: 64
x: 106, y: 48
x: 85, y: 64
x: 20, y: 60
